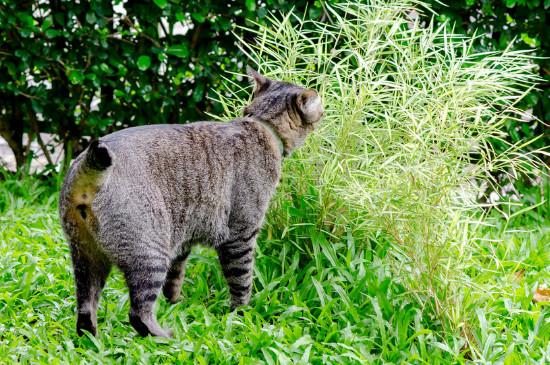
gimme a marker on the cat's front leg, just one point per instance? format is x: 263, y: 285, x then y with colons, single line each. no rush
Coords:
x: 237, y: 260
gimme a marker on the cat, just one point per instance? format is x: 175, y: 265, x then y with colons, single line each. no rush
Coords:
x: 141, y: 197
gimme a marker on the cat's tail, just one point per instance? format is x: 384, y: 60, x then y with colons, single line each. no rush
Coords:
x: 93, y: 169
x: 98, y: 157
x: 83, y: 181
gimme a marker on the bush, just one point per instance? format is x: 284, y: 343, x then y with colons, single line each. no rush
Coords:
x: 411, y: 115
x: 499, y: 25
x: 521, y: 24
x: 88, y: 68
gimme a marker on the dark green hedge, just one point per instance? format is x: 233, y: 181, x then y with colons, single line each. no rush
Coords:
x: 84, y: 69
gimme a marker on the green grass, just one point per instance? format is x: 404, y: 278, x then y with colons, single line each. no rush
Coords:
x: 375, y: 248
x: 317, y: 299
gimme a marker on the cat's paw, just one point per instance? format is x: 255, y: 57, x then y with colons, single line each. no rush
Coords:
x: 85, y: 323
x: 146, y: 325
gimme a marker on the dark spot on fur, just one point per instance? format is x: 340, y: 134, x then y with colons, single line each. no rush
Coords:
x: 82, y: 209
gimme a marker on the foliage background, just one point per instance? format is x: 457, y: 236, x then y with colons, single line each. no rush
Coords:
x: 89, y: 68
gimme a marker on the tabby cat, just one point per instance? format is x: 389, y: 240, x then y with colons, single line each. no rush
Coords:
x: 140, y: 198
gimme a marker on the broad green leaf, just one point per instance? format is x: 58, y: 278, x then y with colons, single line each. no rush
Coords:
x: 532, y: 42
x: 51, y: 33
x: 198, y: 17
x: 105, y: 68
x: 26, y: 20
x: 21, y: 53
x: 47, y: 23
x: 76, y: 76
x: 91, y: 18
x: 161, y: 3
x: 12, y: 70
x: 250, y: 5
x: 180, y: 16
x: 532, y: 4
x: 143, y: 62
x: 510, y: 3
x: 198, y: 92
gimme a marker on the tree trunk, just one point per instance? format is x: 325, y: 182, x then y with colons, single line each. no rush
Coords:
x: 14, y: 137
x: 11, y: 129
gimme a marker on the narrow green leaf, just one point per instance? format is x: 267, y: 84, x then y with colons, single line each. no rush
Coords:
x: 180, y: 50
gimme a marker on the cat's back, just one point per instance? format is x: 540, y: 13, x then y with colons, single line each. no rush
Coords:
x: 151, y: 137
x: 164, y: 149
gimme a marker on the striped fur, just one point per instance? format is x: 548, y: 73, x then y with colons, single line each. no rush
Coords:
x: 140, y: 199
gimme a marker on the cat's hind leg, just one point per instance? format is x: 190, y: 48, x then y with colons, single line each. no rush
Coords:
x: 175, y: 276
x: 91, y: 269
x: 145, y: 275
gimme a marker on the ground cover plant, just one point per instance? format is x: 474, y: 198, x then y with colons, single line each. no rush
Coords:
x: 375, y: 250
x: 339, y: 303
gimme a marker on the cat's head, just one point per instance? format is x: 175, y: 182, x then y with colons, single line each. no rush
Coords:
x: 292, y: 111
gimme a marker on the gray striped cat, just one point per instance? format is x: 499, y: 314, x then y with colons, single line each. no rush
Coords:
x: 140, y: 198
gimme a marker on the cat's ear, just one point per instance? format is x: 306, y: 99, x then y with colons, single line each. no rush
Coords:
x: 310, y: 105
x: 260, y: 82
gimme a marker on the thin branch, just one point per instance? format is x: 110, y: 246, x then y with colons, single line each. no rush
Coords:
x: 43, y: 147
x: 27, y: 95
x: 168, y: 35
x: 141, y: 33
x: 114, y: 36
x: 30, y: 136
x: 196, y: 35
